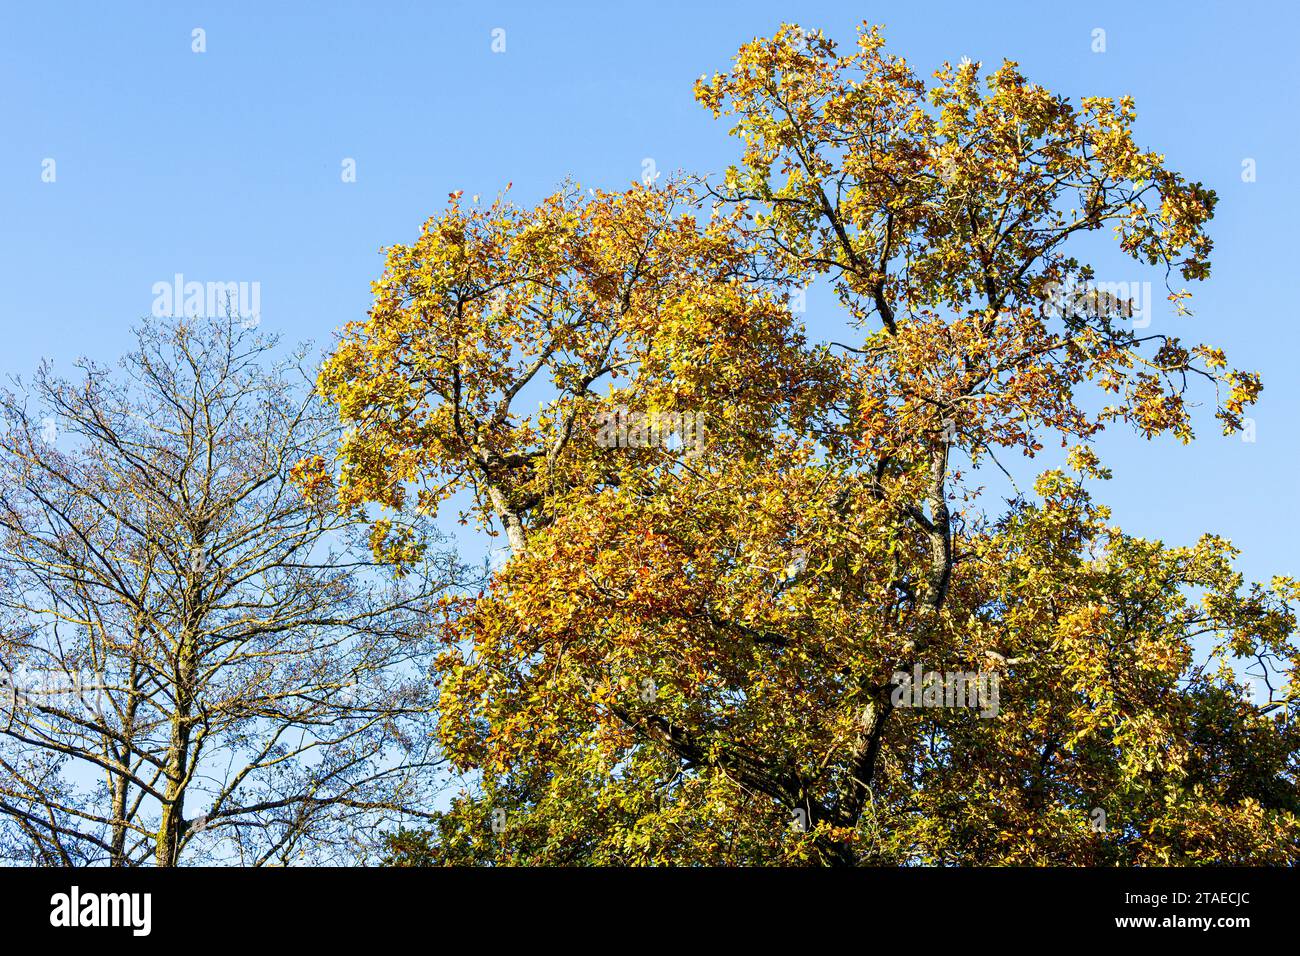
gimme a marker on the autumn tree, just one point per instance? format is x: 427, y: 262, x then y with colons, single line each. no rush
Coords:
x: 697, y: 653
x: 201, y: 663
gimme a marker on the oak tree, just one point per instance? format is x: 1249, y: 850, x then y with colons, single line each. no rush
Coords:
x: 702, y: 656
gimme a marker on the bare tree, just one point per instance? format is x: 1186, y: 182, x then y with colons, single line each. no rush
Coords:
x: 200, y: 661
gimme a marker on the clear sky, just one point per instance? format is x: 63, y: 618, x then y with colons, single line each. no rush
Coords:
x: 226, y: 165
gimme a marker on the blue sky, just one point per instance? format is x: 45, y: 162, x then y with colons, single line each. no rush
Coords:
x: 226, y: 165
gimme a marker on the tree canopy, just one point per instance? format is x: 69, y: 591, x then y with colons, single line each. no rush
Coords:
x: 697, y: 652
x: 199, y: 663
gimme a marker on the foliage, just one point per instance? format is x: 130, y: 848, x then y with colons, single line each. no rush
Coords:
x: 694, y: 658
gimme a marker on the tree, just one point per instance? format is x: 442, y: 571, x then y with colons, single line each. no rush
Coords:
x: 746, y: 649
x: 201, y: 662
